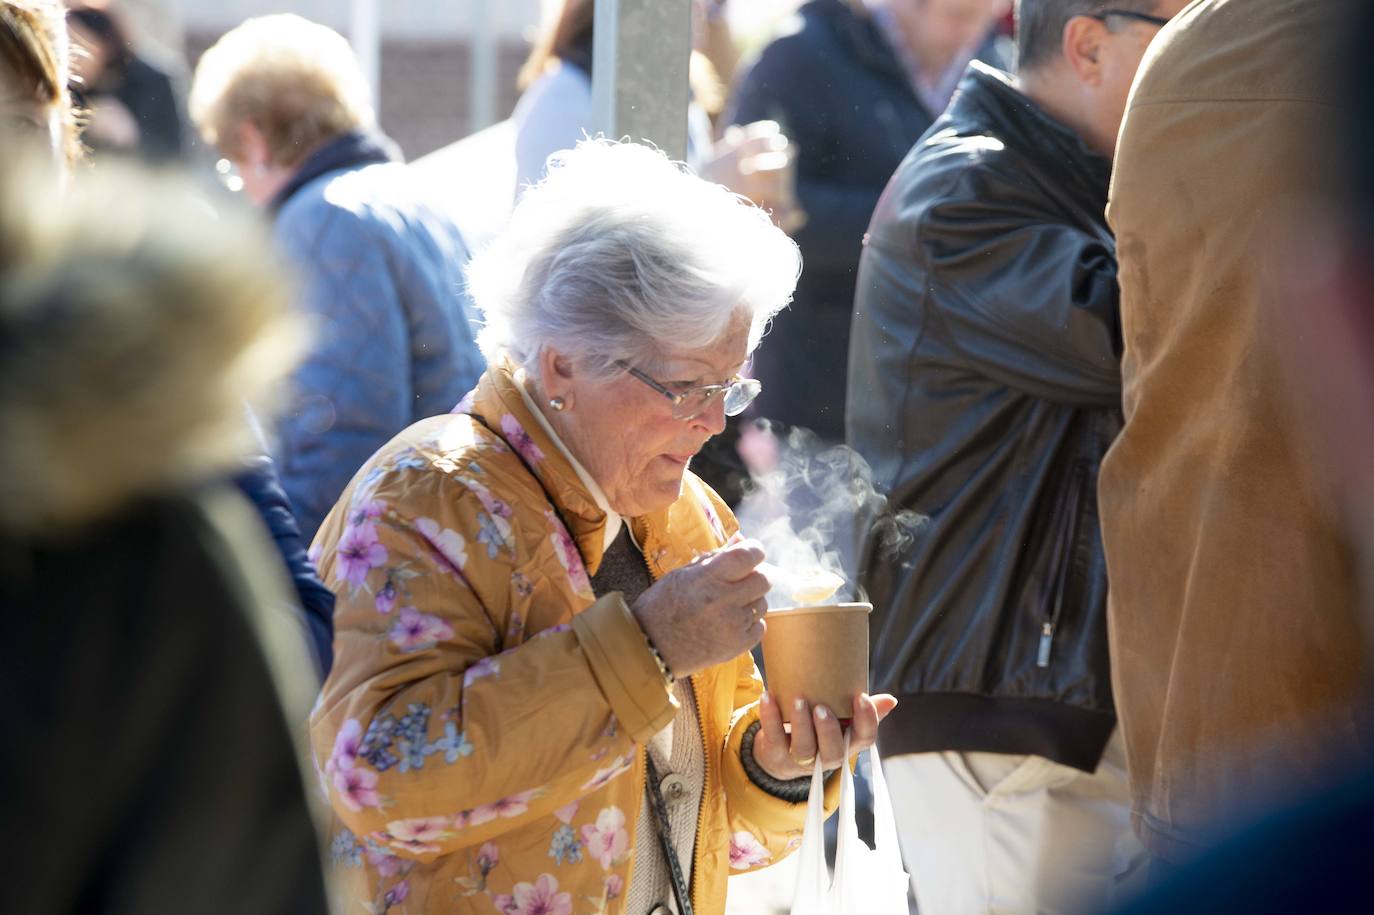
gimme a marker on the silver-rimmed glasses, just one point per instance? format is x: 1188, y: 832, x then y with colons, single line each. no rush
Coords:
x: 691, y: 402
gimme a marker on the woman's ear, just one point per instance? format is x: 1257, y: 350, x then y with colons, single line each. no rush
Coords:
x: 1083, y: 40
x: 556, y: 374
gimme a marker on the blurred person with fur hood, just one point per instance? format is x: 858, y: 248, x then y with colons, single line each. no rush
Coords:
x: 152, y: 749
x: 154, y: 687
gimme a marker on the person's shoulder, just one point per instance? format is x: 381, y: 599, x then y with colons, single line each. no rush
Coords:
x: 384, y: 202
x: 1222, y: 51
x: 810, y: 30
x: 560, y: 87
x: 452, y: 456
x: 954, y: 161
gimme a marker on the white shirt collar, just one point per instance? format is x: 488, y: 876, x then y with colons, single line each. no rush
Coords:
x: 613, y: 519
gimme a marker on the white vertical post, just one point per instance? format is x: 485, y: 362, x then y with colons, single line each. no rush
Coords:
x: 482, y: 72
x: 365, y: 35
x: 639, y: 80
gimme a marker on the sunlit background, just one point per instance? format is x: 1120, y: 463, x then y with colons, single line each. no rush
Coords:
x: 441, y: 70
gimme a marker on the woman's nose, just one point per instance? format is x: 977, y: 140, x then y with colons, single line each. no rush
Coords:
x: 712, y: 419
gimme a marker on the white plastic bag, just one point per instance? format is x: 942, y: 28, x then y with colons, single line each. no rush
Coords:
x: 867, y: 881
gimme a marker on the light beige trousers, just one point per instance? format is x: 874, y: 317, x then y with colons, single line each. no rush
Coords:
x: 994, y: 833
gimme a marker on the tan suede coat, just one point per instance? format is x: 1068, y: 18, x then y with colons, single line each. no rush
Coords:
x: 481, y: 735
x: 1234, y: 632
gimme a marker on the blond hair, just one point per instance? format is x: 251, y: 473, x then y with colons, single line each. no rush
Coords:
x: 296, y: 81
x: 33, y: 51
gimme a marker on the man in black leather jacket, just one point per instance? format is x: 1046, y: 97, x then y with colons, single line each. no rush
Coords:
x: 839, y: 79
x: 984, y: 389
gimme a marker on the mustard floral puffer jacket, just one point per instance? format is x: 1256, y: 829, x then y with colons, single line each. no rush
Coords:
x: 481, y: 734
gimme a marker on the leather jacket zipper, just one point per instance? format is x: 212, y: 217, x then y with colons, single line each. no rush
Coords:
x: 1047, y: 628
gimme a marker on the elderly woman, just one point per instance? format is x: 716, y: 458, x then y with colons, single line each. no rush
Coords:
x: 543, y: 699
x: 285, y: 100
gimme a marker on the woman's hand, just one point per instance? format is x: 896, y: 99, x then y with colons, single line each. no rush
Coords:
x: 815, y: 732
x: 708, y: 612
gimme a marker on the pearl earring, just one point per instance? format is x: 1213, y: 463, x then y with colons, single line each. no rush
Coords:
x: 558, y: 404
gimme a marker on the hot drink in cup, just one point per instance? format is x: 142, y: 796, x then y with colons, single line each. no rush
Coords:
x: 816, y: 651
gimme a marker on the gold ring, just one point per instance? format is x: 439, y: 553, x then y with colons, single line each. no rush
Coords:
x: 805, y: 762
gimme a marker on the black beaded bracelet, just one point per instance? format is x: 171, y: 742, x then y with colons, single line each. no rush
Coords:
x: 792, y: 790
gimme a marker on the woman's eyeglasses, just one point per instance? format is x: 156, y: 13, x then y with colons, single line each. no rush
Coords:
x: 691, y: 402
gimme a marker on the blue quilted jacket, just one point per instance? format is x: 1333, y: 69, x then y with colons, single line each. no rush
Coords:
x: 381, y: 269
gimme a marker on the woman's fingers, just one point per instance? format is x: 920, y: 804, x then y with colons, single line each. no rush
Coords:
x: 770, y: 721
x: 802, y: 749
x: 829, y: 738
x: 868, y: 712
x: 864, y: 729
x: 731, y: 563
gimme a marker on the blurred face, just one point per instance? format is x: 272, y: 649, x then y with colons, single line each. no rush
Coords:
x: 258, y: 177
x: 624, y: 433
x: 940, y: 29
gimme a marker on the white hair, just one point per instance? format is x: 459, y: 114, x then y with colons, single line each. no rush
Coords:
x: 620, y: 254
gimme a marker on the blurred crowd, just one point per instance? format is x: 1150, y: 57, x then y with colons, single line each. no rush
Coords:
x: 1085, y: 283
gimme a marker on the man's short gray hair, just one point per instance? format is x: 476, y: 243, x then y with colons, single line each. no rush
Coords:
x: 1040, y: 25
x: 620, y: 254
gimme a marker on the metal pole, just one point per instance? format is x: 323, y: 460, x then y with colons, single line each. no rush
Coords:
x: 365, y: 35
x: 639, y: 81
x: 482, y: 74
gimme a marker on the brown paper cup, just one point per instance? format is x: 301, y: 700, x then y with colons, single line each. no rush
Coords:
x: 819, y: 654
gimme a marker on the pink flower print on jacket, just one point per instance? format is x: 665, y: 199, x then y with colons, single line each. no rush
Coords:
x: 566, y: 813
x: 486, y: 667
x: 520, y: 440
x: 359, y: 553
x: 386, y: 598
x: 618, y: 766
x: 419, y: 835
x: 397, y: 894
x: 747, y: 852
x: 366, y: 512
x: 414, y: 630
x: 607, y: 840
x: 347, y: 744
x: 712, y: 517
x: 615, y: 885
x: 568, y: 556
x: 382, y: 860
x: 538, y: 898
x: 450, y: 549
x: 507, y: 807
x: 488, y: 856
x: 357, y: 788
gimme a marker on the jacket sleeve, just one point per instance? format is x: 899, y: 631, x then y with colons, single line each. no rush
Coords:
x: 260, y: 483
x: 441, y: 725
x: 353, y: 391
x: 1025, y: 301
x: 763, y: 829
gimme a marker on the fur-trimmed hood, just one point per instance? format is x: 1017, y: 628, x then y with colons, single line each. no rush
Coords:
x: 134, y: 326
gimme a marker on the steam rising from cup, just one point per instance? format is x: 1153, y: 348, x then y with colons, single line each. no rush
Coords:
x: 816, y: 512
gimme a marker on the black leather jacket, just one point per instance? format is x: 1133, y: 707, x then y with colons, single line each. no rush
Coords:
x: 984, y: 390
